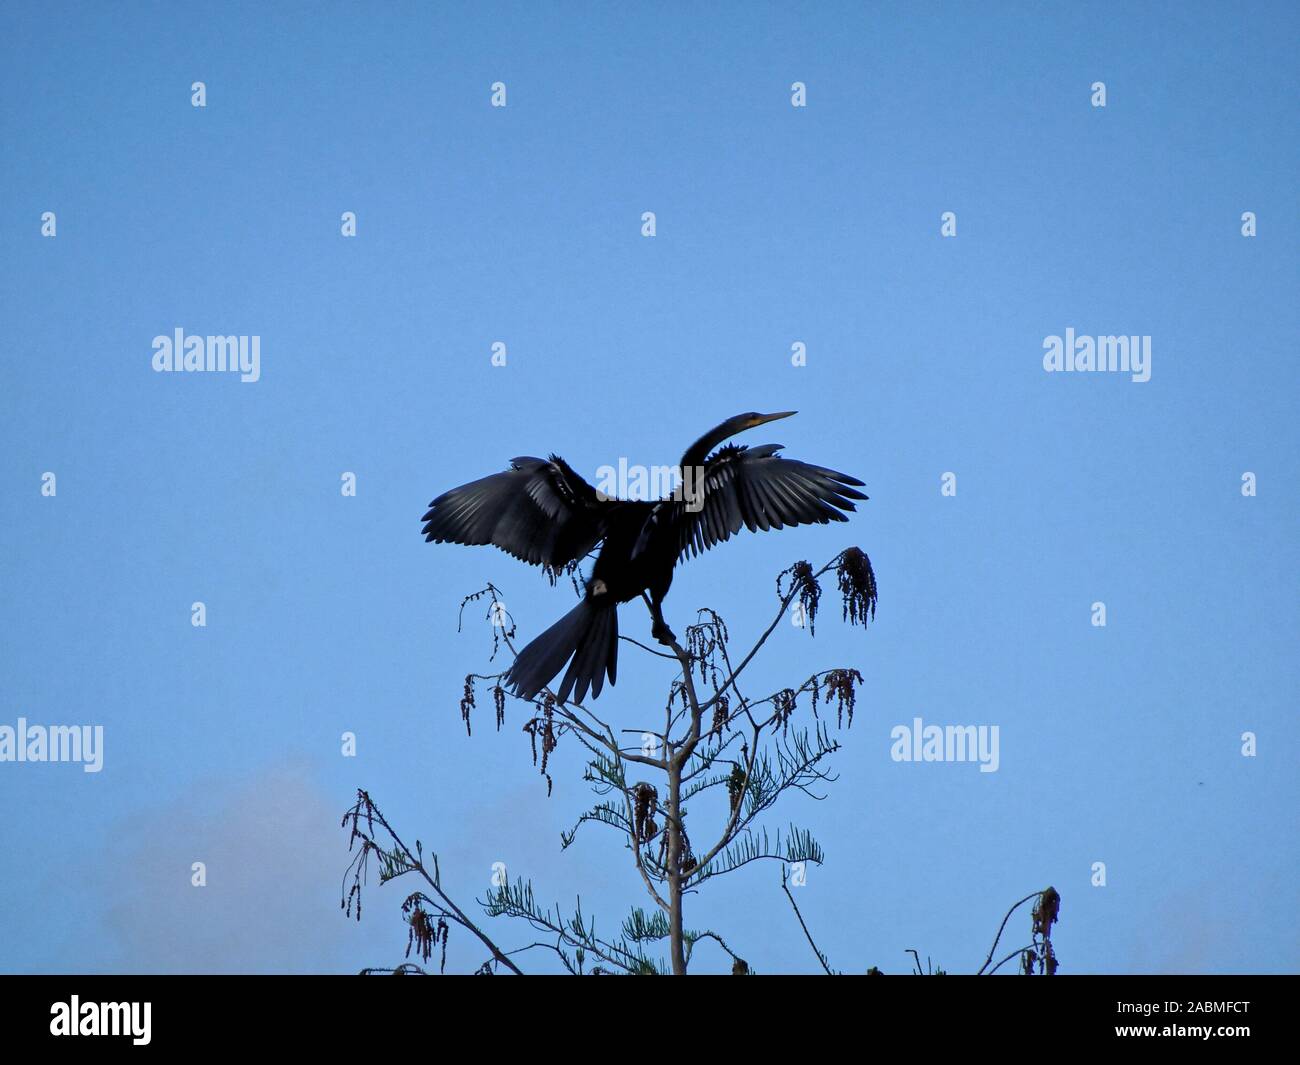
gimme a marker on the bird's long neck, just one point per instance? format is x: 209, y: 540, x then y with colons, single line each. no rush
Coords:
x: 699, y: 451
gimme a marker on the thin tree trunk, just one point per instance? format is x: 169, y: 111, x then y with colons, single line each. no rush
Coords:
x: 677, y: 945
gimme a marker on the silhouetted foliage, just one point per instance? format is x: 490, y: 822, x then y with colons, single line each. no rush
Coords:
x: 751, y: 750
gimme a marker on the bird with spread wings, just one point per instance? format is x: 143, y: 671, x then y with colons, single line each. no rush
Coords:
x: 541, y: 512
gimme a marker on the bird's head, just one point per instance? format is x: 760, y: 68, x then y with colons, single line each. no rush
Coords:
x: 753, y: 418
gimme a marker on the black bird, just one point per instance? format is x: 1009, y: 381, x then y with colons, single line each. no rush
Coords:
x: 542, y: 512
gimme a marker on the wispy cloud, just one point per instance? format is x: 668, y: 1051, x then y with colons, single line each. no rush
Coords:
x: 273, y: 856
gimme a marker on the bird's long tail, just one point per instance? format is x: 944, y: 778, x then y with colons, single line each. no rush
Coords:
x: 589, y: 635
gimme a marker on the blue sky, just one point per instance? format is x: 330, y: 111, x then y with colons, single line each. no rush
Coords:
x: 775, y: 225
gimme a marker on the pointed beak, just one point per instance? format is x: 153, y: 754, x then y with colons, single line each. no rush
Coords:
x: 763, y: 419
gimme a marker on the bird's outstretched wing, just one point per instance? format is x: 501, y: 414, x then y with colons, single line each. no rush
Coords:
x: 755, y: 488
x: 539, y: 510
